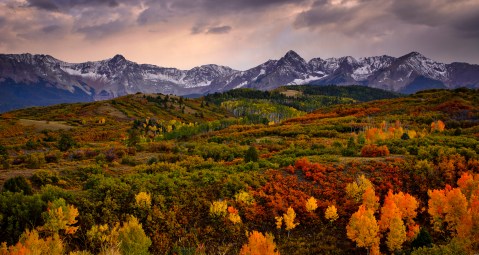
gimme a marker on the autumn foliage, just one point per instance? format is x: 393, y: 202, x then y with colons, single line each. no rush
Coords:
x: 371, y: 150
x: 398, y: 211
x: 438, y: 126
x: 331, y: 213
x: 258, y: 244
x: 311, y: 204
x: 184, y: 183
x: 363, y: 229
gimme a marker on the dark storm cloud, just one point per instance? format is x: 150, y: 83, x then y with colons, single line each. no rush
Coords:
x: 66, y: 5
x: 461, y: 16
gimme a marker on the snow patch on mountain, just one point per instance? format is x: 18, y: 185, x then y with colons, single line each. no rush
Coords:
x: 306, y: 80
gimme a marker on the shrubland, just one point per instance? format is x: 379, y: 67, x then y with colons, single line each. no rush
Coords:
x: 244, y: 172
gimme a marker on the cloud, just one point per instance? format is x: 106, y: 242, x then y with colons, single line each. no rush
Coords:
x: 44, y: 4
x: 350, y: 17
x: 222, y: 6
x: 219, y: 30
x: 460, y: 16
x: 205, y: 28
x: 373, y: 16
x: 93, y: 32
x: 156, y: 13
x: 3, y: 21
x: 51, y: 28
x: 67, y: 5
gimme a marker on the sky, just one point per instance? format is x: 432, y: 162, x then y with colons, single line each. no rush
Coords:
x: 239, y: 33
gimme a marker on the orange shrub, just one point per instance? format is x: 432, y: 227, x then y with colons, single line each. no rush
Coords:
x: 371, y: 150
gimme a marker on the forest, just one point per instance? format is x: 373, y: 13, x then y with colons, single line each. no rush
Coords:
x: 297, y: 170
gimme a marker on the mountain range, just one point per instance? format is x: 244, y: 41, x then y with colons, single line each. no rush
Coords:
x: 37, y: 80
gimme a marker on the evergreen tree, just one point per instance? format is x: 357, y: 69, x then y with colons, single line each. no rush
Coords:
x: 251, y: 155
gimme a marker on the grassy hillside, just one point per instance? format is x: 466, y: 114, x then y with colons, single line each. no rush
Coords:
x: 199, y: 174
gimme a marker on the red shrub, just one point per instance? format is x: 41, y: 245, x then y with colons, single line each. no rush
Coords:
x: 371, y: 150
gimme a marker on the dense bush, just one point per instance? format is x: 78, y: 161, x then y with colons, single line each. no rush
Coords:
x: 35, y: 160
x: 18, y: 184
x: 372, y: 150
x: 43, y: 177
x: 66, y: 142
x: 19, y: 212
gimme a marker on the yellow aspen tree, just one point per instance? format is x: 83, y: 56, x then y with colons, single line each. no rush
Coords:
x: 218, y: 209
x: 311, y: 204
x: 456, y: 208
x: 60, y: 216
x: 105, y: 237
x: 363, y: 228
x: 289, y: 218
x: 258, y: 244
x: 143, y: 200
x: 436, y: 208
x: 370, y: 200
x: 396, y: 235
x: 233, y: 215
x: 448, y: 205
x: 279, y: 222
x: 412, y: 134
x: 353, y: 191
x: 235, y: 218
x: 331, y: 213
x: 244, y: 197
x: 356, y: 189
x: 407, y: 205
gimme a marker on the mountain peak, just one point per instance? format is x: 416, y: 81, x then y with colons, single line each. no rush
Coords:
x: 118, y: 58
x: 414, y: 54
x: 292, y: 54
x: 348, y: 59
